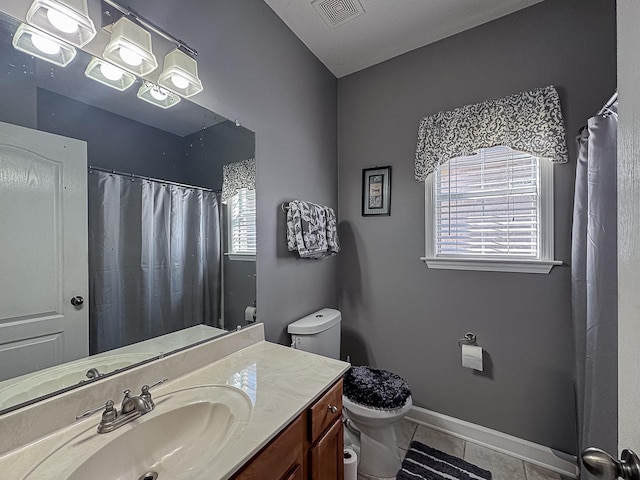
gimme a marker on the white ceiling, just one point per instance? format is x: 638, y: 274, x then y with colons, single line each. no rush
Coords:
x: 388, y: 28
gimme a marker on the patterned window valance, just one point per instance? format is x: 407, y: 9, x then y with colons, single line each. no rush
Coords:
x: 236, y: 176
x: 529, y: 122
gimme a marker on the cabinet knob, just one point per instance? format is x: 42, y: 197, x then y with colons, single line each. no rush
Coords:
x: 333, y: 408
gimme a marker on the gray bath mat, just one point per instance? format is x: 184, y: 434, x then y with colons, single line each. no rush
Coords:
x: 425, y: 463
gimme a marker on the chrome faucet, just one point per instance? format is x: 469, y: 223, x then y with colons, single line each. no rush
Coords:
x: 130, y: 409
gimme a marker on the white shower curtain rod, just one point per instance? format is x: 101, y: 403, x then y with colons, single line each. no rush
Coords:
x: 610, y: 102
x: 151, y: 179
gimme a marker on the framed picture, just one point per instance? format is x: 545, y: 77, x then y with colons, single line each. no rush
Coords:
x: 376, y: 191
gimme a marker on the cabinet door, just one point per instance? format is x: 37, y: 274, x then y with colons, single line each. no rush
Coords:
x: 296, y: 474
x: 326, y: 456
x: 325, y: 411
x: 280, y: 459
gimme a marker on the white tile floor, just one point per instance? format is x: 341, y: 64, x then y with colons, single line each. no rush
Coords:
x: 502, y: 467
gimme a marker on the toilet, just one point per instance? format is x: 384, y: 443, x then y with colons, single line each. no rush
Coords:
x: 373, y: 401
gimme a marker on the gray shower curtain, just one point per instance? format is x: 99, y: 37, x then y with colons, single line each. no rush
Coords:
x: 154, y: 259
x: 595, y: 285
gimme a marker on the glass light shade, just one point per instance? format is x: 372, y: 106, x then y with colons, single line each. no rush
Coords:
x: 157, y: 95
x: 41, y: 45
x: 130, y: 57
x: 130, y: 48
x: 109, y: 74
x: 45, y: 45
x: 179, y: 81
x: 67, y: 20
x: 180, y: 74
x: 62, y: 22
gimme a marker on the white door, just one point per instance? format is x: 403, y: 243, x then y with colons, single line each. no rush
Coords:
x: 628, y: 421
x: 629, y: 224
x: 43, y: 250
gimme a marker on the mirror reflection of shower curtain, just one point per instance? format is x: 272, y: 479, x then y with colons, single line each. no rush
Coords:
x: 594, y: 285
x: 154, y: 259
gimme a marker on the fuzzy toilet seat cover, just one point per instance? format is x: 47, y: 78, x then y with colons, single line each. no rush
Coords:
x: 376, y: 388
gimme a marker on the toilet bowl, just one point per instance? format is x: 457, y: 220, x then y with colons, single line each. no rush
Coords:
x: 373, y: 402
x: 379, y: 455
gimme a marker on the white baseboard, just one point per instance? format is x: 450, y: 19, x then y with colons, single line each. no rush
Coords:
x: 546, y: 457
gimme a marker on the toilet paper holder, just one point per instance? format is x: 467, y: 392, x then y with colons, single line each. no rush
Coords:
x: 469, y: 339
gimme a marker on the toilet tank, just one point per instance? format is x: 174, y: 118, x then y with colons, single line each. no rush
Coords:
x: 318, y: 333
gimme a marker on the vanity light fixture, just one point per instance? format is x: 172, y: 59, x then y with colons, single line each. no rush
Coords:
x: 130, y: 48
x: 180, y: 74
x: 157, y: 95
x: 67, y: 20
x: 109, y: 75
x: 42, y: 45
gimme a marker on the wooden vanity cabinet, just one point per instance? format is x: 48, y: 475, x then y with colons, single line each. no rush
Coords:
x: 310, y: 448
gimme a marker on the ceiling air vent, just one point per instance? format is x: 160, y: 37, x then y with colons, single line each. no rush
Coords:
x: 338, y: 12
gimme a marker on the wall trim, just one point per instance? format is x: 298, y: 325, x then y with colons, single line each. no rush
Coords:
x: 546, y: 457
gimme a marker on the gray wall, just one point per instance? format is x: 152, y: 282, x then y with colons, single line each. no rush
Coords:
x: 113, y: 141
x: 402, y: 316
x: 254, y: 69
x: 18, y: 95
x: 208, y: 150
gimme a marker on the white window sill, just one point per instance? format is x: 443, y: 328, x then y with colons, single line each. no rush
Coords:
x: 491, y: 265
x: 243, y: 257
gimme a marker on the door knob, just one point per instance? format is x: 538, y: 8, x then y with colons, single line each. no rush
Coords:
x: 604, y: 466
x: 77, y: 301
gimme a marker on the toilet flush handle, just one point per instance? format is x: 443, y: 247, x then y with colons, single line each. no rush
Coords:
x: 333, y: 408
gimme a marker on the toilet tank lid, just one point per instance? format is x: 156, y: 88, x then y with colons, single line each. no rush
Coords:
x: 315, y: 322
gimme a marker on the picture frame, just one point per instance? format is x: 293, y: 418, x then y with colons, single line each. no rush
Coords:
x: 376, y: 191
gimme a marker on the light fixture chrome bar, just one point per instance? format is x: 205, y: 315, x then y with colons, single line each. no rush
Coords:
x: 143, y: 22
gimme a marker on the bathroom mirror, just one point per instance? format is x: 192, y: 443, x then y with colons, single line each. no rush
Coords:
x: 160, y: 276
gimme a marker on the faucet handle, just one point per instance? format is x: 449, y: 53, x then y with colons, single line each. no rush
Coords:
x: 146, y: 395
x: 108, y: 408
x: 146, y: 388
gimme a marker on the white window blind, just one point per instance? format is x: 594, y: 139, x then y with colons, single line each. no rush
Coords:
x: 242, y: 222
x: 488, y: 205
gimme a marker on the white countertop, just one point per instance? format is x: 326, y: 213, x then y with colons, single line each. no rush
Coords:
x: 281, y: 382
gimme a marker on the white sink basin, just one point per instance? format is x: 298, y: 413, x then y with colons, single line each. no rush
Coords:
x: 177, y: 440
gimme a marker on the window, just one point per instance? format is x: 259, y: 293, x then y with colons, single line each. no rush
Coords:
x: 491, y: 211
x: 241, y: 218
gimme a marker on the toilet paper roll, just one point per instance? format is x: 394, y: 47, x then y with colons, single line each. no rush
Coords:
x: 472, y: 357
x: 250, y: 314
x: 350, y: 464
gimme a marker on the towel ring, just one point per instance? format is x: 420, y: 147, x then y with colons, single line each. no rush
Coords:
x: 469, y: 339
x: 284, y: 206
